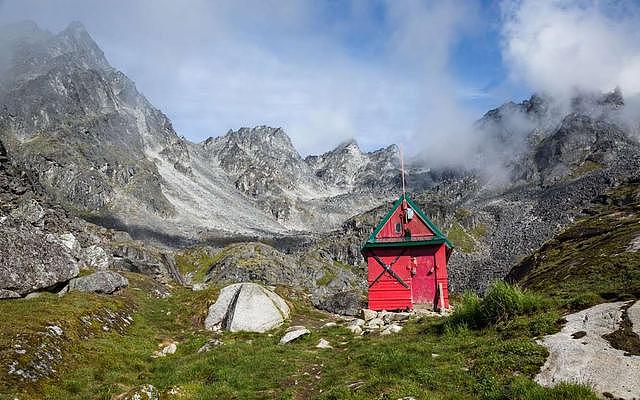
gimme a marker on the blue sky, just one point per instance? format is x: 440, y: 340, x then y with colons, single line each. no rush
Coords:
x: 382, y: 72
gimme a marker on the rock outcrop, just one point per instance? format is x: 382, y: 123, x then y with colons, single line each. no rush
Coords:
x: 247, y: 307
x: 580, y: 354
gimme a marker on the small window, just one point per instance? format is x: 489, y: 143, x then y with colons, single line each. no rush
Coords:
x: 398, y: 227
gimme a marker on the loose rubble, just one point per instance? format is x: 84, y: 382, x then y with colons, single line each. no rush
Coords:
x: 385, y: 322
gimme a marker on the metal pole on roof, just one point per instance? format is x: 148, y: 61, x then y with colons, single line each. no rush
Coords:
x: 402, y: 169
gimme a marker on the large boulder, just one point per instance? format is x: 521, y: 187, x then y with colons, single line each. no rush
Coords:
x: 247, y: 307
x: 30, y: 261
x: 99, y: 282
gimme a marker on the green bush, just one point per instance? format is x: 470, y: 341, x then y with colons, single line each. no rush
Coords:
x: 524, y: 389
x: 502, y: 302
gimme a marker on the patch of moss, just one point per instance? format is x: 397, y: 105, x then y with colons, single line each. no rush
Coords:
x: 326, y: 278
x: 197, y: 261
x: 463, y: 241
x: 585, y: 168
x: 478, y: 231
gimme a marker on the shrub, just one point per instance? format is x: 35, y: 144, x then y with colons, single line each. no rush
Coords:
x: 524, y: 389
x: 502, y: 302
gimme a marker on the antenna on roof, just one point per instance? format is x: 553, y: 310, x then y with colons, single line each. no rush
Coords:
x: 402, y: 169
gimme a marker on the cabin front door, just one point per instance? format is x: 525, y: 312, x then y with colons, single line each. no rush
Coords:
x: 423, y: 283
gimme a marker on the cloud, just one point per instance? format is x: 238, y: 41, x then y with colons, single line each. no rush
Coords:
x: 560, y: 46
x: 325, y: 71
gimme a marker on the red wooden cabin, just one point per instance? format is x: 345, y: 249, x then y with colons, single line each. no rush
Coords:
x: 407, y: 260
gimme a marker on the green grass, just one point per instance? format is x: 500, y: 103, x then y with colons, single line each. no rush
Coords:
x: 430, y: 358
x: 326, y: 278
x: 463, y: 241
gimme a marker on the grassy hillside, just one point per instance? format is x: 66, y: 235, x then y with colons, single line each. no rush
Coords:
x: 430, y: 358
x: 595, y: 259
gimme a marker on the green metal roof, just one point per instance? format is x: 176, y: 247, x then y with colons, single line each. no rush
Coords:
x: 439, y: 237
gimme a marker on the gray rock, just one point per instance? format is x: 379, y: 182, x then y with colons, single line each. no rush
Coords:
x: 367, y: 314
x: 247, y: 307
x: 375, y: 323
x: 324, y: 344
x: 396, y: 316
x: 634, y: 245
x: 96, y: 257
x: 355, y: 326
x: 294, y: 333
x: 633, y: 313
x: 355, y: 329
x: 170, y: 348
x: 30, y: 211
x: 343, y: 303
x: 356, y: 322
x: 385, y: 316
x: 393, y: 328
x: 30, y: 262
x: 143, y: 392
x: 69, y: 241
x: 99, y: 282
x: 8, y: 294
x: 196, y: 287
x: 329, y: 325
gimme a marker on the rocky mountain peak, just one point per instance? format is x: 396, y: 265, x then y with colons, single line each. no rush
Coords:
x: 76, y: 40
x: 350, y: 146
x: 260, y: 139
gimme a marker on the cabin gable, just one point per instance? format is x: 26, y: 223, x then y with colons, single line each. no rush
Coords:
x: 419, y: 229
x: 395, y: 229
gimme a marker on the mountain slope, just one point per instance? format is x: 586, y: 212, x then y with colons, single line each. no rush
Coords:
x: 595, y: 259
x: 104, y: 151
